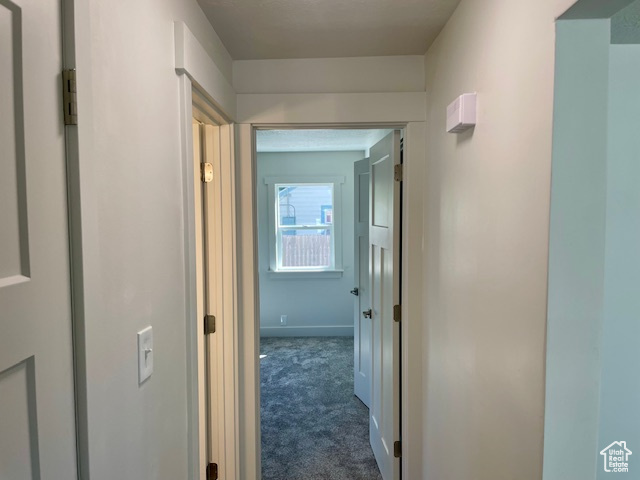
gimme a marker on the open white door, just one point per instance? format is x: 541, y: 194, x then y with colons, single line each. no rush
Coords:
x: 37, y: 413
x: 384, y: 251
x: 362, y: 325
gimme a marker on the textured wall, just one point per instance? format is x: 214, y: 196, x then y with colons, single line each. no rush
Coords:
x: 486, y: 236
x: 133, y: 232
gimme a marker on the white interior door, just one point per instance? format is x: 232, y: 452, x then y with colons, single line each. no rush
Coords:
x: 362, y: 325
x: 37, y: 413
x: 384, y: 235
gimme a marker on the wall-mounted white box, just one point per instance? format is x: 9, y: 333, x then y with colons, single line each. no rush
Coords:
x: 461, y: 113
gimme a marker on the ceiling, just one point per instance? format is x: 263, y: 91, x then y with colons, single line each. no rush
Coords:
x: 269, y: 29
x: 316, y: 140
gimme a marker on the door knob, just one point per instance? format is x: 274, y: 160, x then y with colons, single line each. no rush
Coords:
x: 354, y: 291
x: 367, y: 313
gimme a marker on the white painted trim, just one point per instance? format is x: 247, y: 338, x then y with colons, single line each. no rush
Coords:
x: 305, y: 274
x: 193, y: 60
x: 331, y: 108
x: 76, y: 54
x: 412, y: 278
x: 248, y: 307
x: 304, y: 179
x: 198, y: 73
x: 308, y: 331
x: 190, y: 294
x: 228, y: 310
x: 336, y: 228
x: 413, y: 288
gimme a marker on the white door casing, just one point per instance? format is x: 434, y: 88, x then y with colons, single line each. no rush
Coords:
x: 37, y: 410
x: 362, y: 325
x: 384, y: 251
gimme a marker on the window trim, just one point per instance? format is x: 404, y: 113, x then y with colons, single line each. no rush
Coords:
x: 335, y: 270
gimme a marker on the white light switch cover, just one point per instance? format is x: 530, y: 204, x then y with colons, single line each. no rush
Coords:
x: 145, y: 354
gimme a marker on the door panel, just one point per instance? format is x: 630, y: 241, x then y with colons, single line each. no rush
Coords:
x: 19, y: 443
x: 362, y: 325
x: 37, y: 421
x: 384, y: 233
x: 14, y: 261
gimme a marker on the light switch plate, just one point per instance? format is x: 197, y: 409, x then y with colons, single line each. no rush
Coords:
x: 145, y: 354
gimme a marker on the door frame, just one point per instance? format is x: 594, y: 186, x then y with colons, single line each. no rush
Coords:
x: 412, y: 281
x: 198, y: 95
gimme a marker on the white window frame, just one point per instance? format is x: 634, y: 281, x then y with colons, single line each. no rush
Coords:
x: 335, y: 269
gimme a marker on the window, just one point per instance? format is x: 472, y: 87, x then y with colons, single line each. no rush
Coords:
x: 304, y: 225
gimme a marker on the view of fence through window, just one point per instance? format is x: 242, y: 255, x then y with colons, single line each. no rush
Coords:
x: 305, y: 226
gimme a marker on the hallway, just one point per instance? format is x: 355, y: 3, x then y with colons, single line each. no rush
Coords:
x: 518, y: 265
x: 313, y: 426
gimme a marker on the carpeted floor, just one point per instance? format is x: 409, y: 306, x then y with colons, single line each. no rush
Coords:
x: 313, y: 427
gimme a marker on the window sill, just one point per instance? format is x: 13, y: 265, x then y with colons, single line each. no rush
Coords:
x: 295, y: 275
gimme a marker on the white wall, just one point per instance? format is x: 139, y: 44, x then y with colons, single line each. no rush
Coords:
x: 132, y: 238
x: 576, y: 250
x: 620, y: 385
x: 314, y: 306
x: 330, y: 75
x: 486, y: 233
x: 593, y: 334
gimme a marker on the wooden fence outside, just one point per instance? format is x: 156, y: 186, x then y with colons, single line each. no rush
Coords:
x: 306, y: 250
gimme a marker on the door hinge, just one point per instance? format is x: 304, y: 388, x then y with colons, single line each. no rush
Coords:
x: 397, y: 313
x: 212, y: 471
x: 209, y: 324
x: 70, y: 97
x: 397, y: 449
x: 206, y: 172
x: 398, y: 171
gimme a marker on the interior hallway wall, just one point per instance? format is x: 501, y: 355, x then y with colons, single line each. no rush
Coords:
x: 619, y: 417
x: 576, y: 250
x: 486, y: 235
x: 591, y: 401
x: 314, y: 306
x: 133, y: 233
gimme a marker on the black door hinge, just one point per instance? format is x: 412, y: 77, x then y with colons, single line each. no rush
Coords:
x: 70, y: 97
x: 209, y: 324
x: 397, y: 313
x: 212, y: 471
x: 397, y: 449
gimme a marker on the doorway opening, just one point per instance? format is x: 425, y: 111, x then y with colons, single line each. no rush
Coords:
x: 328, y: 207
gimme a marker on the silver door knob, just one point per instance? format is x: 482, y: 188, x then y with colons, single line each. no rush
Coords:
x: 355, y: 291
x: 367, y: 314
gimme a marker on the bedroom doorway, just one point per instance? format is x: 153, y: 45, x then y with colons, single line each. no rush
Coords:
x: 328, y: 222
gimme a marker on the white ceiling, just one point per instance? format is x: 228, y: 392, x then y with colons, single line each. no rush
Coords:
x: 268, y: 29
x: 316, y: 140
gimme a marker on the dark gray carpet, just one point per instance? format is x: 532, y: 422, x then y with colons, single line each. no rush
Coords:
x: 313, y: 427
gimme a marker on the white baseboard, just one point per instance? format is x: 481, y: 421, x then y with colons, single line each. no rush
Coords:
x: 323, y: 331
